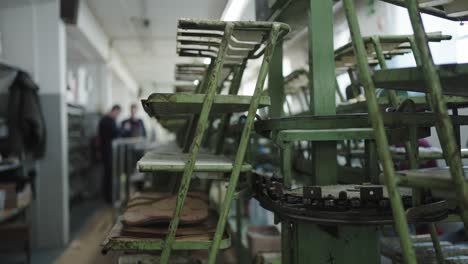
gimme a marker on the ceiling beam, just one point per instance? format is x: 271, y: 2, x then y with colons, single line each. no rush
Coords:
x: 89, y: 27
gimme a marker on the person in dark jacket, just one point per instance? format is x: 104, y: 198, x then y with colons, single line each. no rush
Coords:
x: 108, y: 131
x: 133, y: 127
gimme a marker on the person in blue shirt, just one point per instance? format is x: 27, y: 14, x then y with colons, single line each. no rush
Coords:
x: 133, y: 126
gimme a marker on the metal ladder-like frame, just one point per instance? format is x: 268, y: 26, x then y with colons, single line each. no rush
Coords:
x: 202, y: 122
x: 443, y: 124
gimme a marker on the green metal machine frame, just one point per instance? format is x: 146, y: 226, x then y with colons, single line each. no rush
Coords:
x: 304, y: 241
x: 276, y: 31
x: 226, y: 43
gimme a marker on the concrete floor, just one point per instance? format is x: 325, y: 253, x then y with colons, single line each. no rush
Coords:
x: 80, y: 214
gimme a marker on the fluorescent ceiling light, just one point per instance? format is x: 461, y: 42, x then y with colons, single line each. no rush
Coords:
x: 234, y: 10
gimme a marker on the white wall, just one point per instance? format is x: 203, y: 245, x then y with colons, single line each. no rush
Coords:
x: 33, y: 39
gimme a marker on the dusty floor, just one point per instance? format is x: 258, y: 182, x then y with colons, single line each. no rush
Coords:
x: 85, y: 248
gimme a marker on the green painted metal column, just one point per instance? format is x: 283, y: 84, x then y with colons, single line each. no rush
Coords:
x: 277, y: 97
x: 317, y: 243
x: 276, y: 82
x: 337, y: 244
x: 322, y: 85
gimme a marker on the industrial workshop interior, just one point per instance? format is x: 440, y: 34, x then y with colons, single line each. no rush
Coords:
x: 233, y: 131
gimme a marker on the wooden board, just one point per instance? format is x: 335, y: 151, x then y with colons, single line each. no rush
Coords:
x: 174, y: 161
x: 160, y: 104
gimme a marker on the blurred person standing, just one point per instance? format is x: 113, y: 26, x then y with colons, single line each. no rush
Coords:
x: 133, y: 126
x: 108, y: 131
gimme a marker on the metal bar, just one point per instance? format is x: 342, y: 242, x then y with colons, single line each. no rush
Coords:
x: 354, y: 83
x: 190, y: 133
x: 224, y: 125
x: 428, y: 10
x: 322, y: 81
x: 436, y: 243
x: 418, y: 60
x: 324, y: 135
x: 239, y: 247
x: 456, y: 128
x: 372, y: 162
x: 201, y: 126
x: 286, y: 242
x: 286, y: 159
x: 380, y: 136
x: 187, y: 23
x: 416, y: 53
x: 191, y: 123
x: 412, y: 149
x: 276, y: 82
x: 444, y: 127
x: 207, y: 136
x: 392, y: 97
x: 425, y: 183
x: 348, y: 152
x: 244, y: 141
x: 411, y: 146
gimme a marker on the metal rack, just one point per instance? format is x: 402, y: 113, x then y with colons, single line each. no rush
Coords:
x: 443, y: 123
x: 347, y: 241
x: 78, y: 151
x: 226, y: 43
